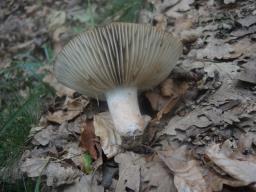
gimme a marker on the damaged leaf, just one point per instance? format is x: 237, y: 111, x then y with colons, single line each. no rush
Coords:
x: 59, y: 174
x: 155, y: 177
x: 62, y: 116
x: 187, y: 175
x: 129, y: 172
x: 60, y: 89
x: 34, y: 167
x: 71, y: 109
x: 242, y: 169
x: 109, y: 138
x: 88, y: 139
x: 216, y: 49
x: 85, y: 184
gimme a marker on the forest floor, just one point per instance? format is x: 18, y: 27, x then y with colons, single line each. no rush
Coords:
x: 202, y: 136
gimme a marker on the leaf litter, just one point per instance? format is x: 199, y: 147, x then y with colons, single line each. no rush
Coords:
x: 202, y: 136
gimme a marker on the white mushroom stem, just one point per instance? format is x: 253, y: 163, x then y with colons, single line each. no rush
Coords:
x: 125, y: 112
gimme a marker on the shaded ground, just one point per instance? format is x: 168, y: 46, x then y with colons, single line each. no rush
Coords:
x: 202, y: 136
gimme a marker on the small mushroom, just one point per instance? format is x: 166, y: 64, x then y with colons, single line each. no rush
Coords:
x: 114, y: 62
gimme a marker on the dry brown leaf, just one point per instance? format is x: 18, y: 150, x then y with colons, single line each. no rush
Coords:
x: 57, y: 135
x: 180, y: 6
x: 58, y: 41
x: 155, y: 177
x: 129, y: 172
x: 244, y: 47
x: 194, y: 118
x: 182, y: 24
x: 248, y: 72
x: 44, y: 136
x: 35, y: 130
x: 242, y: 169
x: 55, y: 19
x: 71, y: 109
x: 59, y: 174
x: 88, y: 139
x: 247, y: 21
x: 34, y: 167
x: 161, y: 22
x: 22, y: 46
x: 77, y: 104
x: 187, y: 175
x: 162, y: 6
x: 171, y: 93
x: 61, y: 90
x: 109, y: 138
x: 216, y: 182
x: 169, y: 87
x: 229, y: 1
x: 73, y: 152
x: 156, y: 100
x: 62, y: 116
x: 84, y: 184
x: 216, y: 49
x: 246, y: 141
x: 167, y: 107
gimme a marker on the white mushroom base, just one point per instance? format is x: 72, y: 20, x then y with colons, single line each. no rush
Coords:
x: 125, y: 112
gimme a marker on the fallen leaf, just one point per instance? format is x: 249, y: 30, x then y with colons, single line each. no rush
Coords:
x: 245, y: 47
x: 182, y: 24
x: 187, y: 175
x: 189, y: 36
x: 77, y: 104
x: 156, y: 100
x: 161, y: 22
x: 62, y: 116
x: 243, y: 32
x: 129, y: 172
x: 194, y: 118
x: 84, y: 184
x: 55, y: 19
x: 109, y: 138
x: 22, y: 46
x: 216, y: 49
x: 73, y: 152
x: 155, y: 177
x: 82, y: 15
x: 248, y: 72
x: 34, y: 167
x: 58, y: 37
x: 180, y: 6
x: 162, y: 6
x: 171, y: 93
x: 34, y: 130
x: 216, y: 182
x: 71, y: 109
x: 247, y: 21
x: 167, y: 107
x: 241, y: 169
x: 58, y: 174
x: 44, y: 136
x: 61, y: 90
x: 229, y: 1
x: 245, y: 141
x: 88, y: 139
x: 56, y: 135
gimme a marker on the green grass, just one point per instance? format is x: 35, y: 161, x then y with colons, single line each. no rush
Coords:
x: 19, y: 113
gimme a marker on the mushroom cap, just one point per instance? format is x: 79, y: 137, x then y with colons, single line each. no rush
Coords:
x: 117, y: 55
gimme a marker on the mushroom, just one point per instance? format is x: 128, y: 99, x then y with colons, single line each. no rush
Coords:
x: 114, y: 62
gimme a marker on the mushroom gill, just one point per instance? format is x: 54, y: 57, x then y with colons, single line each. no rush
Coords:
x: 117, y: 60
